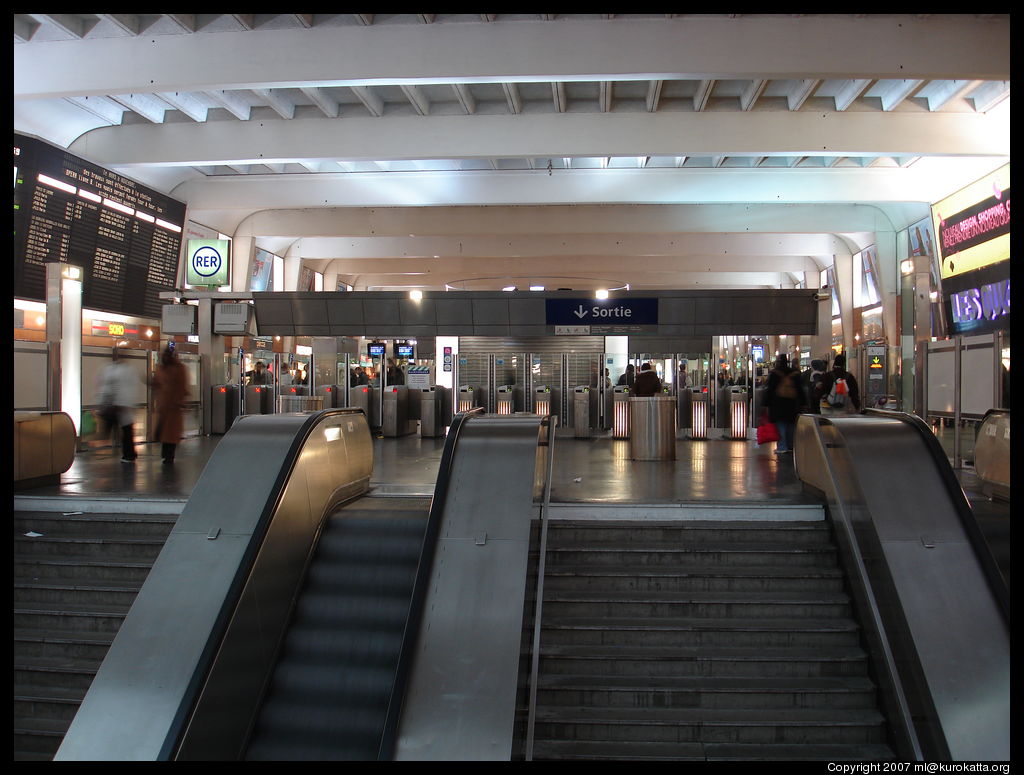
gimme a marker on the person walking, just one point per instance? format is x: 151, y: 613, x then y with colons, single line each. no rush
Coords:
x: 628, y: 377
x: 784, y: 398
x: 814, y: 385
x: 170, y: 385
x: 841, y: 394
x: 647, y: 383
x: 119, y: 393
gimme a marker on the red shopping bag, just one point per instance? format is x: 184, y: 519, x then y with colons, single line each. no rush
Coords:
x: 766, y: 431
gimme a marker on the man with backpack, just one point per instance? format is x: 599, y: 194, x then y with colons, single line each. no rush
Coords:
x: 784, y: 399
x: 841, y: 394
x: 814, y: 385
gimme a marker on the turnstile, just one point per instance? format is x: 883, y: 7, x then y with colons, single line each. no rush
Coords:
x: 652, y: 427
x: 395, y: 420
x: 366, y: 397
x: 545, y: 401
x: 620, y: 412
x: 223, y: 408
x: 684, y: 401
x: 581, y: 410
x: 507, y: 401
x: 738, y: 407
x: 470, y: 397
x: 435, y: 410
x: 259, y: 399
x: 333, y: 395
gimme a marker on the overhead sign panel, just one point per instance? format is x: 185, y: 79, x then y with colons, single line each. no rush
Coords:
x: 208, y: 262
x: 603, y: 316
x: 973, y: 225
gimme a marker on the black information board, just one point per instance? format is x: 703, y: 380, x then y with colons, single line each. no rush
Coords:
x: 125, y: 237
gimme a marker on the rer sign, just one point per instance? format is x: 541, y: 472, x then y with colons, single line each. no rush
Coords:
x: 208, y: 262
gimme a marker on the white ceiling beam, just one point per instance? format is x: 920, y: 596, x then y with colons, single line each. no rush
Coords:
x: 75, y: 26
x: 654, y: 95
x: 417, y: 99
x: 186, y: 103
x: 604, y: 98
x: 850, y: 91
x: 801, y: 91
x: 247, y: 20
x: 232, y: 103
x: 769, y: 133
x: 558, y: 96
x: 824, y: 46
x: 488, y: 17
x: 371, y: 101
x: 515, y: 102
x: 752, y: 93
x: 989, y: 95
x: 940, y: 93
x: 24, y: 27
x: 186, y: 22
x: 146, y: 105
x: 328, y: 105
x: 127, y: 22
x: 465, y: 98
x: 304, y: 19
x: 427, y: 18
x: 102, y: 107
x: 700, y: 97
x: 893, y: 93
x: 276, y: 100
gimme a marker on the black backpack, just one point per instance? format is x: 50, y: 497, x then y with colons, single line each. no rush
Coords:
x: 817, y: 388
x: 787, y: 385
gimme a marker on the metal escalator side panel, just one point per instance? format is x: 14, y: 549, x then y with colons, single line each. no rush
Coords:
x: 461, y: 695
x: 933, y: 584
x: 185, y: 672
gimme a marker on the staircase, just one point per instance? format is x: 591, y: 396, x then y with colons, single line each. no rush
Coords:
x: 74, y: 582
x: 701, y: 640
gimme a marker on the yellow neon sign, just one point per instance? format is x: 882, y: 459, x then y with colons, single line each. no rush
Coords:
x: 972, y: 226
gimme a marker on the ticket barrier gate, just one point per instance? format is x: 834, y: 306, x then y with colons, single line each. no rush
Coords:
x: 296, y: 398
x: 223, y: 408
x: 470, y: 397
x: 620, y: 412
x: 545, y: 401
x: 581, y: 403
x: 700, y: 414
x: 435, y: 410
x: 259, y: 399
x: 652, y: 427
x: 507, y: 400
x: 684, y: 408
x: 396, y: 421
x: 738, y: 417
x: 366, y: 397
x: 333, y: 396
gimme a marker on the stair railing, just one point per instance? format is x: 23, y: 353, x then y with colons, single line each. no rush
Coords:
x: 551, y: 421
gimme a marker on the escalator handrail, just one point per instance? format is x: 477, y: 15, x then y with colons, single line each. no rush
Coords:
x: 420, y: 588
x: 889, y: 662
x: 975, y: 536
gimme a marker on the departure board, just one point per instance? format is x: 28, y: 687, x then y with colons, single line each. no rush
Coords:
x: 125, y: 237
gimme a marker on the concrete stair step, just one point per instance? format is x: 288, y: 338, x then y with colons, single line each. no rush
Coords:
x: 562, y: 532
x: 71, y: 675
x: 668, y: 578
x: 602, y: 750
x: 70, y: 617
x: 96, y: 548
x: 57, y: 704
x: 680, y: 632
x: 712, y: 725
x: 33, y: 644
x: 37, y: 739
x: 697, y: 603
x: 716, y: 555
x: 657, y: 664
x: 702, y: 691
x: 84, y: 593
x: 73, y: 569
x: 94, y: 525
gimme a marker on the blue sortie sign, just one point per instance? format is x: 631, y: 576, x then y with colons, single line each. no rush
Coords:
x: 584, y: 312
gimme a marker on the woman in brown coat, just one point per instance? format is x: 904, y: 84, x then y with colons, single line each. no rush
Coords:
x: 171, y: 388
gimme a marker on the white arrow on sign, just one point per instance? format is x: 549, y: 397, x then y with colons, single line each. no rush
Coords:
x: 580, y: 313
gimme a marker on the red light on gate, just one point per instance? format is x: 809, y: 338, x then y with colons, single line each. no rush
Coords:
x: 259, y: 390
x: 328, y: 389
x: 293, y: 390
x: 366, y: 390
x: 223, y: 390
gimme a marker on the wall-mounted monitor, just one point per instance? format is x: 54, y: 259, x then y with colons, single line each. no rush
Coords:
x: 376, y: 349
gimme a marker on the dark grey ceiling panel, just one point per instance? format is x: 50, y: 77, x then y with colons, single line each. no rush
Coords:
x: 490, y: 312
x: 310, y: 312
x: 316, y: 330
x: 273, y: 311
x: 518, y: 330
x: 490, y: 331
x: 454, y: 312
x: 417, y: 313
x: 344, y: 311
x: 382, y: 331
x: 526, y: 312
x: 380, y: 311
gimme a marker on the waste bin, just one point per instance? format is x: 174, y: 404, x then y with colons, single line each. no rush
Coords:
x: 738, y: 417
x: 435, y: 410
x: 652, y: 422
x: 395, y: 420
x: 699, y: 414
x: 620, y: 412
x: 259, y: 399
x: 581, y: 411
x: 223, y: 408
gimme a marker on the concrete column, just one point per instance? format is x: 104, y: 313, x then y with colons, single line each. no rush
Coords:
x: 242, y: 251
x: 844, y: 286
x: 292, y: 265
x: 211, y: 361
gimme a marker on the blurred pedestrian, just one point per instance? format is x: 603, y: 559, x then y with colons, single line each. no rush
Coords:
x: 841, y: 392
x: 170, y: 385
x: 119, y: 392
x: 647, y: 383
x: 784, y: 398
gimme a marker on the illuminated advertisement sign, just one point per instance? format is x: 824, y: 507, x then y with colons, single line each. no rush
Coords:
x: 972, y: 226
x: 208, y: 262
